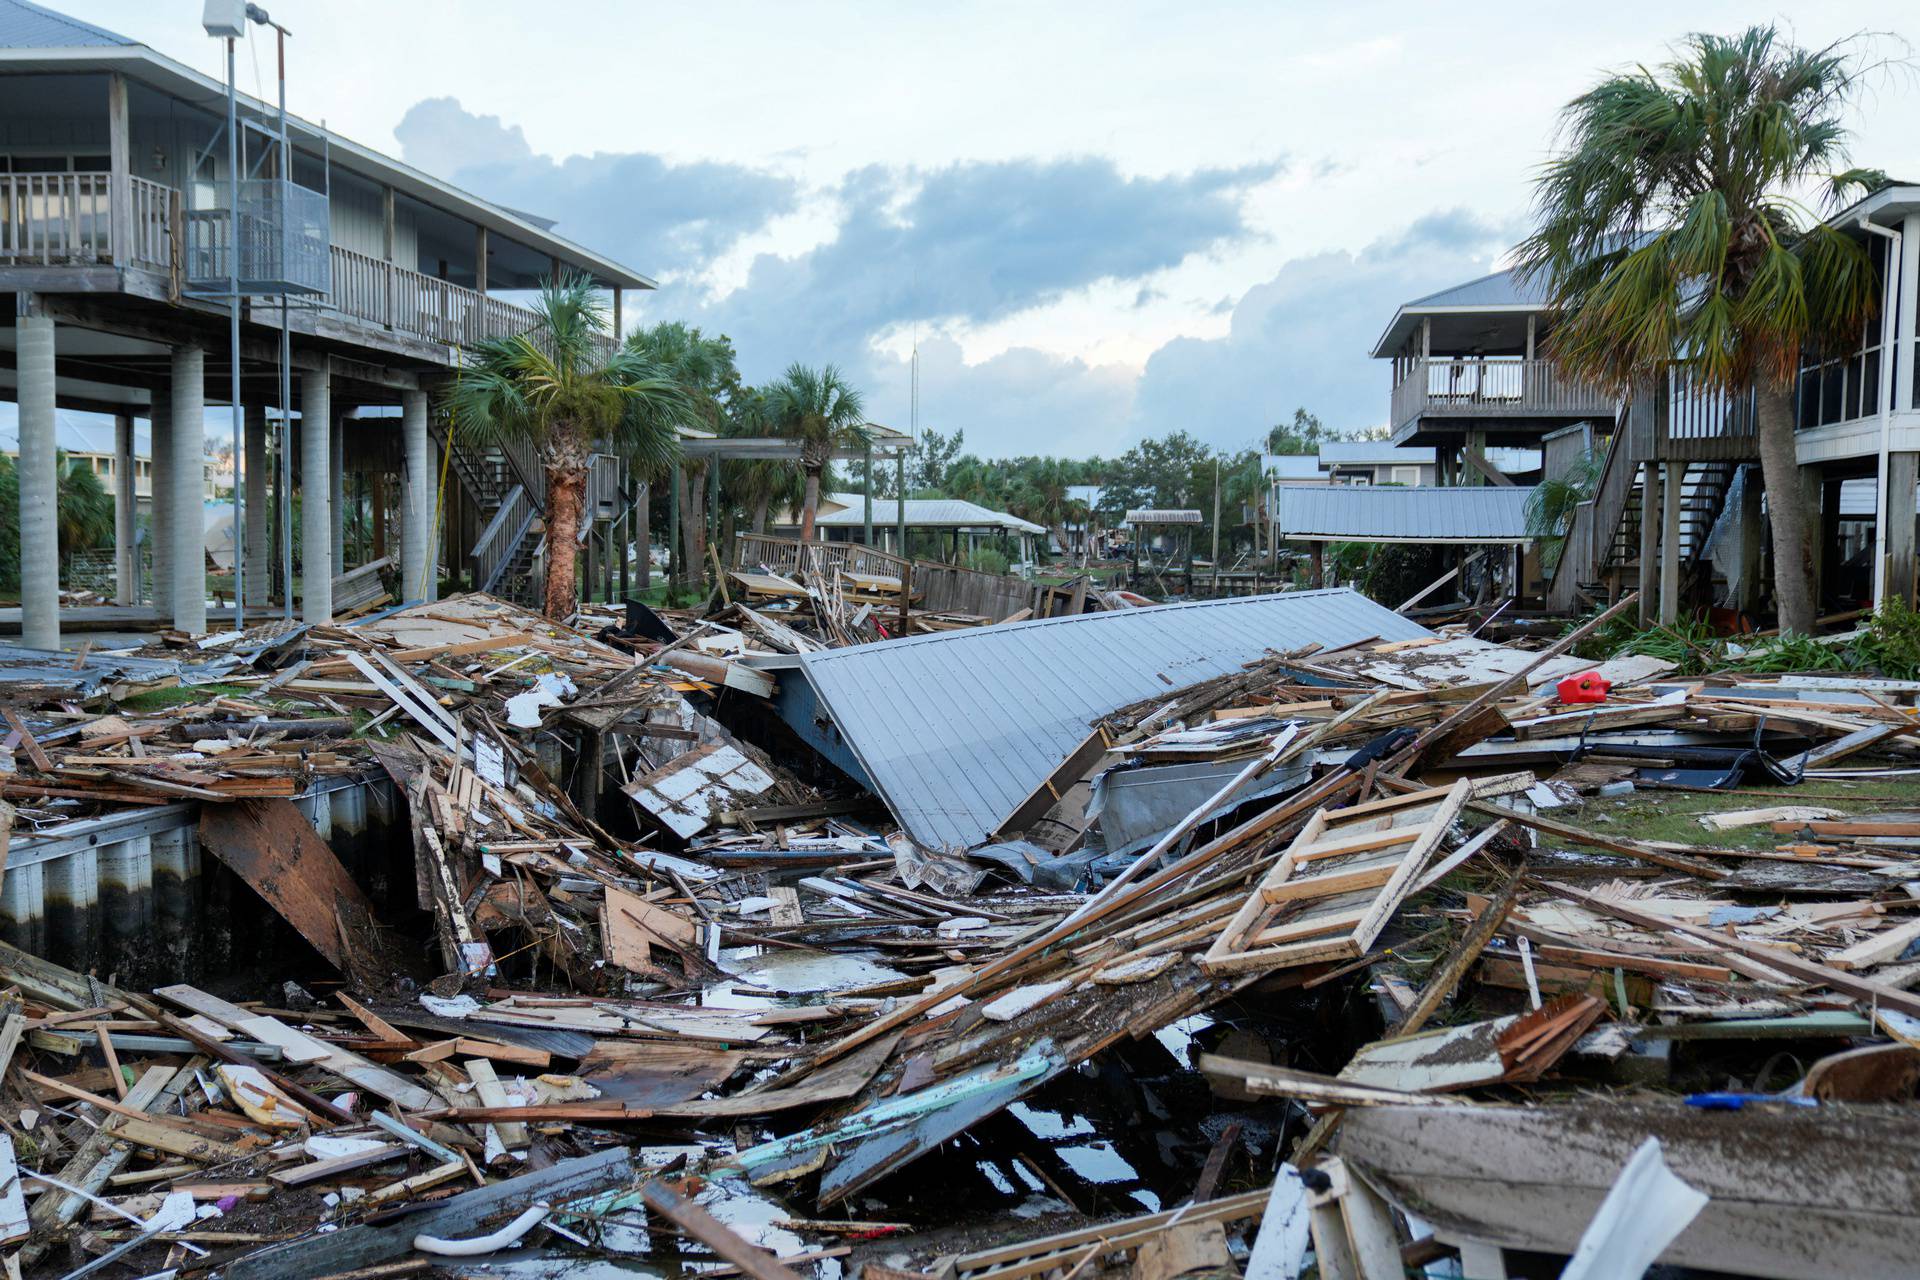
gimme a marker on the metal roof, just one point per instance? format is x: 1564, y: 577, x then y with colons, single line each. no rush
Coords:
x: 1502, y: 292
x: 1372, y: 453
x: 1163, y: 515
x: 1390, y: 513
x: 922, y: 513
x: 78, y: 432
x: 956, y: 729
x: 1293, y: 466
x: 28, y: 26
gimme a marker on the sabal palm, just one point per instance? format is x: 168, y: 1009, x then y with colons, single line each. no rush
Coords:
x: 565, y: 389
x: 760, y: 484
x: 1671, y: 231
x: 821, y: 410
x: 702, y: 368
x: 1553, y: 502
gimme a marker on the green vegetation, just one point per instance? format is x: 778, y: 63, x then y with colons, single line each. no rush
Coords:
x: 558, y: 390
x: 1673, y: 238
x: 1551, y: 506
x: 1887, y: 644
x: 820, y: 409
x: 83, y: 515
x: 181, y: 694
x: 987, y: 560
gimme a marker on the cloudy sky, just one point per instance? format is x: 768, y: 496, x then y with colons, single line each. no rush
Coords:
x: 1097, y: 220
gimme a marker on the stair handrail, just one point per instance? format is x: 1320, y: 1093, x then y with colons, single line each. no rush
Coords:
x: 1582, y: 556
x: 494, y: 547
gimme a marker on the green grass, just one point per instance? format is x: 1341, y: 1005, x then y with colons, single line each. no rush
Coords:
x: 179, y: 695
x: 1651, y: 814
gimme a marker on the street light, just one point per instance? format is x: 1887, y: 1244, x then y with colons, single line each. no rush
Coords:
x: 227, y: 20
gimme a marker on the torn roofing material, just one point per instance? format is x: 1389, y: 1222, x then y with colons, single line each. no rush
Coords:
x: 956, y: 729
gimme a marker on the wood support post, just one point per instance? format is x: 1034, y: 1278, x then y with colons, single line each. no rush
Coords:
x: 1672, y: 490
x: 1649, y: 541
x: 1903, y: 475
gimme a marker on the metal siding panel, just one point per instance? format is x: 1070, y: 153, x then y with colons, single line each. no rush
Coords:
x: 956, y: 729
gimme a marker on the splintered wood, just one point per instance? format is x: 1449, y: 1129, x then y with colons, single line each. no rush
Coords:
x: 1338, y: 883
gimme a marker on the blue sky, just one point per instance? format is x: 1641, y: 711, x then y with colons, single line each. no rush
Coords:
x: 1098, y: 221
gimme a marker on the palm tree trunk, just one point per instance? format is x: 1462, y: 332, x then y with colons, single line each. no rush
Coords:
x: 693, y: 522
x: 566, y: 498
x: 760, y: 515
x: 643, y: 534
x: 1793, y: 572
x: 810, y: 505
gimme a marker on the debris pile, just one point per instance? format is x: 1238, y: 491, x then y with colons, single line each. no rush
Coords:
x: 690, y: 936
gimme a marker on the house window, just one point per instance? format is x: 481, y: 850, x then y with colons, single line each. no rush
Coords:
x: 1844, y: 386
x: 1406, y: 475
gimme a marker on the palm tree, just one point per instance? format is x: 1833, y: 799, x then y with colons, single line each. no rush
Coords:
x: 821, y: 410
x: 702, y: 368
x: 564, y: 389
x: 1551, y: 505
x: 1670, y: 234
x: 759, y: 484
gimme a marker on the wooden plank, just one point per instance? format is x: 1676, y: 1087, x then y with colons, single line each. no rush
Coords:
x: 513, y: 1135
x: 1254, y: 940
x: 13, y: 1197
x: 710, y: 1231
x: 98, y: 1159
x: 335, y: 1166
x: 1079, y: 762
x: 300, y: 1046
x: 1881, y: 948
x: 271, y: 845
x: 1334, y: 846
x: 1885, y: 995
x: 148, y: 1133
x: 418, y: 704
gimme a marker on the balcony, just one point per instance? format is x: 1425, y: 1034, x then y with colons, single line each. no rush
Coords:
x: 1506, y: 395
x: 283, y: 230
x: 66, y: 219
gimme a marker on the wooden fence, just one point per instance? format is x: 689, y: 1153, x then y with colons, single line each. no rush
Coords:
x: 942, y: 588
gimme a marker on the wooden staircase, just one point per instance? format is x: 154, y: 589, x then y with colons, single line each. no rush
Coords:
x: 505, y: 483
x: 1702, y: 437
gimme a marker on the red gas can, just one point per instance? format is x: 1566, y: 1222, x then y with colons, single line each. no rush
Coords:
x: 1588, y: 686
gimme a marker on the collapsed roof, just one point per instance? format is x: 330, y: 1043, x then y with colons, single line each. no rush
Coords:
x: 955, y: 730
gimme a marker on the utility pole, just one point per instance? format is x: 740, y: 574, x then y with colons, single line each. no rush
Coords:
x: 1216, y: 524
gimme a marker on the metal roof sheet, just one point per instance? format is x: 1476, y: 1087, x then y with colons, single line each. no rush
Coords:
x: 28, y: 26
x: 1165, y: 515
x: 1390, y: 513
x: 1293, y: 466
x: 1372, y: 453
x: 78, y: 432
x: 956, y: 729
x: 922, y: 513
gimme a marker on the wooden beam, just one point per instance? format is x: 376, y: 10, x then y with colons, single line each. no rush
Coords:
x: 120, y: 170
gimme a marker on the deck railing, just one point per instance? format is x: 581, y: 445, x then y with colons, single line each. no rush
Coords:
x: 60, y: 219
x: 383, y: 293
x: 1496, y: 386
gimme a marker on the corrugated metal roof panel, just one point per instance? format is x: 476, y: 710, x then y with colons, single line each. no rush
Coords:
x: 1165, y: 515
x: 1369, y: 453
x: 956, y: 729
x: 923, y: 513
x: 28, y: 26
x: 1386, y: 513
